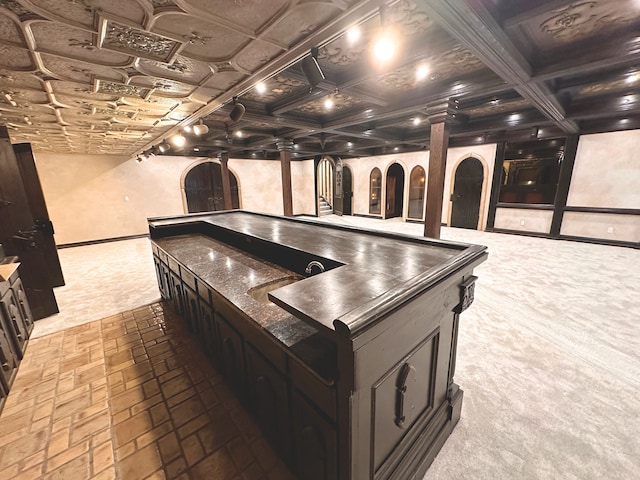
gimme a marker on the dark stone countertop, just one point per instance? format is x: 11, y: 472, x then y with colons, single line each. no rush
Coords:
x: 379, y: 269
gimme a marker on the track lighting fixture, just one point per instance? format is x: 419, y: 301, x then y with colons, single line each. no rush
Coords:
x: 179, y: 140
x: 164, y: 147
x: 200, y: 128
x: 311, y: 69
x: 238, y: 110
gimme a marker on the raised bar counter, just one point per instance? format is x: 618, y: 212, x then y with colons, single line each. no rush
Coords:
x: 349, y: 371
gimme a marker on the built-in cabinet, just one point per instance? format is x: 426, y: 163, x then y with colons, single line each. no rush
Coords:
x: 16, y: 325
x: 275, y: 386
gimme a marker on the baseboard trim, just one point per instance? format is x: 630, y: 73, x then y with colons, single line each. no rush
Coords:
x: 570, y: 238
x: 102, y: 240
x: 364, y: 215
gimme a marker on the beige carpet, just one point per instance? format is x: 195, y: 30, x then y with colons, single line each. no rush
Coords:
x: 548, y: 354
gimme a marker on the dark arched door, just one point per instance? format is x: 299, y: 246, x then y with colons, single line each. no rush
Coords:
x: 347, y: 191
x: 467, y: 192
x: 203, y: 188
x: 395, y: 191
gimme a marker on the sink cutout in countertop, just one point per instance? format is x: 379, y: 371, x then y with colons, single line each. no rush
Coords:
x: 260, y: 293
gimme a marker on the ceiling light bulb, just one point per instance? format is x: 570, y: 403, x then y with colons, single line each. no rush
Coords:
x: 353, y: 34
x: 421, y: 72
x: 261, y: 87
x: 164, y: 147
x: 239, y: 134
x: 384, y: 49
x: 187, y: 129
x: 179, y: 140
x: 633, y: 78
x: 416, y: 121
x: 200, y: 129
x: 328, y: 103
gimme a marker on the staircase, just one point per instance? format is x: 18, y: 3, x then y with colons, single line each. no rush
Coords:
x: 325, y: 208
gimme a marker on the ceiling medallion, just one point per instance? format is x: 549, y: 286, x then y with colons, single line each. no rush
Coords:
x: 112, y: 88
x: 580, y: 19
x: 132, y: 41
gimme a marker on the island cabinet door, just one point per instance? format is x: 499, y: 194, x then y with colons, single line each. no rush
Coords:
x: 192, y: 314
x: 8, y: 357
x: 232, y: 354
x: 208, y: 333
x: 23, y: 305
x: 162, y: 276
x: 269, y: 401
x: 11, y: 310
x: 314, y: 442
x: 177, y: 293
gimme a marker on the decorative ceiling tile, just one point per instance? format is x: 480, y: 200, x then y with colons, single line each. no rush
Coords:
x: 497, y: 107
x: 72, y: 42
x: 10, y: 78
x: 299, y: 22
x: 250, y: 14
x: 224, y: 80
x: 405, y: 14
x: 136, y: 42
x: 10, y: 31
x: 340, y: 101
x: 182, y: 69
x: 120, y: 89
x: 14, y: 7
x: 61, y: 88
x: 275, y: 87
x: 78, y: 71
x: 217, y: 44
x: 255, y: 55
x: 15, y: 58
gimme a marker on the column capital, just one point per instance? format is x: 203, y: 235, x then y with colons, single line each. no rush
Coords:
x: 223, y: 156
x: 284, y: 145
x: 441, y: 112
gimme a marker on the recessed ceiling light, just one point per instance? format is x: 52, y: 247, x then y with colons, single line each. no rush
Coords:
x: 353, y: 34
x: 384, y: 49
x: 417, y: 121
x: 261, y: 87
x: 239, y: 134
x: 328, y: 103
x: 421, y: 72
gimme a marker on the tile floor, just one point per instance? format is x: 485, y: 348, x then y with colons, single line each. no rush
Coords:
x: 128, y: 397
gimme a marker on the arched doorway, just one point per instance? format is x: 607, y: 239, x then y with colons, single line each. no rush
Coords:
x: 417, y: 181
x: 203, y: 188
x: 324, y: 177
x: 347, y: 191
x: 467, y: 193
x: 394, y: 191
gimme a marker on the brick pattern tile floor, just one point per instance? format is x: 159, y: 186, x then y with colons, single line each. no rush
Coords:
x: 128, y: 397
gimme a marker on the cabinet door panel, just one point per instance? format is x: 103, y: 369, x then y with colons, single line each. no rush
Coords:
x: 8, y: 358
x: 177, y: 294
x: 269, y: 401
x: 23, y: 305
x: 232, y: 354
x: 15, y: 325
x: 192, y: 313
x: 208, y: 334
x: 314, y: 442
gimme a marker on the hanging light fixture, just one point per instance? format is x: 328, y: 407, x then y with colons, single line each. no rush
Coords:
x: 200, y: 128
x: 237, y: 111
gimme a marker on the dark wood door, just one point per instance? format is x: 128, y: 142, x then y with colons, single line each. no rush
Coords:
x: 203, y: 188
x: 347, y: 191
x: 467, y: 192
x: 394, y: 191
x: 20, y: 234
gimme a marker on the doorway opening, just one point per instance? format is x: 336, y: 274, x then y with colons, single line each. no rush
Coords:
x: 394, y: 191
x: 324, y: 176
x: 203, y: 188
x: 347, y: 191
x: 467, y: 194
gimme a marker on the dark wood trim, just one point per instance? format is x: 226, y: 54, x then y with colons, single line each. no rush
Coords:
x: 613, y: 211
x: 570, y: 238
x: 496, y: 183
x: 102, y: 240
x: 564, y: 182
x: 526, y: 206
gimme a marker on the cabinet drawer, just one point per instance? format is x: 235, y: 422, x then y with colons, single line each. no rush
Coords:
x: 321, y: 391
x: 188, y: 279
x: 174, y: 266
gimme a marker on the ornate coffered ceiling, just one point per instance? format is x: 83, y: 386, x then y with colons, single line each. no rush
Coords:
x: 121, y: 76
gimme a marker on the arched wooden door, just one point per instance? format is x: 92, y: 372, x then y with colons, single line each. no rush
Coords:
x: 395, y: 191
x: 467, y: 193
x: 203, y: 188
x: 347, y: 191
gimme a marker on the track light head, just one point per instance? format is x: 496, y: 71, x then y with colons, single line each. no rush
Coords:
x: 311, y: 69
x: 238, y: 110
x: 200, y: 128
x: 164, y: 147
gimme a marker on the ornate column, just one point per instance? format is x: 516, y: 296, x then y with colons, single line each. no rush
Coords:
x: 440, y: 116
x: 226, y: 184
x: 285, y: 147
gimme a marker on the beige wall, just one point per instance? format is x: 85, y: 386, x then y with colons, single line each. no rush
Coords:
x: 524, y: 220
x: 361, y: 168
x: 606, y: 174
x: 94, y: 197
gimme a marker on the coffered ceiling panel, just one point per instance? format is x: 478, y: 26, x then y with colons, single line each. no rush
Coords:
x: 109, y: 76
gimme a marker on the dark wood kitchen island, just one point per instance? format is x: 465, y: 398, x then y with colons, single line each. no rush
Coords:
x: 340, y: 341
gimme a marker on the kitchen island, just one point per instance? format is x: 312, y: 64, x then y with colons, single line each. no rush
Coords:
x: 340, y: 341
